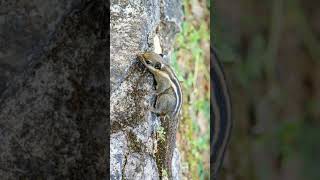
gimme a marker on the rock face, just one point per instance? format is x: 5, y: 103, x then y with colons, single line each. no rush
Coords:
x: 137, y: 26
x: 53, y: 90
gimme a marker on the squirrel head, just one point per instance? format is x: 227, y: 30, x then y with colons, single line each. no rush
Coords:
x: 153, y: 61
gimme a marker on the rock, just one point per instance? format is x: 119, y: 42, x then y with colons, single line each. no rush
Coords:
x: 53, y: 111
x: 25, y: 27
x: 134, y: 26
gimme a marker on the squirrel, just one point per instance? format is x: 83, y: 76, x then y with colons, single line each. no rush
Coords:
x: 168, y: 106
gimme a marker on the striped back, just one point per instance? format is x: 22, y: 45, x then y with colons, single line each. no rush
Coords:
x: 176, y: 89
x: 220, y: 109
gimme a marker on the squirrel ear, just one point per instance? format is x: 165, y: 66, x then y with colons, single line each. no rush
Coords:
x: 161, y: 55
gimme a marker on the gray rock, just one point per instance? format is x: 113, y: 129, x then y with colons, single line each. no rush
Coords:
x: 25, y: 27
x: 134, y: 24
x: 53, y: 103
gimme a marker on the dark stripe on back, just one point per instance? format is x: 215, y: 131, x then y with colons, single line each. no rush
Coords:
x: 221, y: 97
x: 175, y: 81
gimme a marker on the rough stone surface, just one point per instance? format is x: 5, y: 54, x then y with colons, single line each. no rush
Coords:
x: 134, y: 24
x: 25, y: 27
x: 53, y: 101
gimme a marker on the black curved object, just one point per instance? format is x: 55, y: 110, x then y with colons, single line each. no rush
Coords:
x: 220, y: 110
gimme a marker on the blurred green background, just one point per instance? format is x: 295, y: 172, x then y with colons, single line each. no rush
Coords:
x: 271, y: 53
x: 191, y: 61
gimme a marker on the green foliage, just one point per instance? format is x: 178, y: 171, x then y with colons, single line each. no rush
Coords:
x: 164, y: 174
x: 297, y: 139
x: 253, y: 66
x: 262, y: 48
x: 192, y: 67
x: 161, y: 133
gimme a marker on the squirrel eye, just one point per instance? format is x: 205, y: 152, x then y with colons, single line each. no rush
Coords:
x: 148, y: 62
x: 157, y: 66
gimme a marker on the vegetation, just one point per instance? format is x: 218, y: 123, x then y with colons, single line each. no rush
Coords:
x: 161, y: 133
x: 191, y: 61
x: 270, y: 50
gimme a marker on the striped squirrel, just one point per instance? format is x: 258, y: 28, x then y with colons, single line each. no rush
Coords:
x: 168, y: 105
x: 221, y: 108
